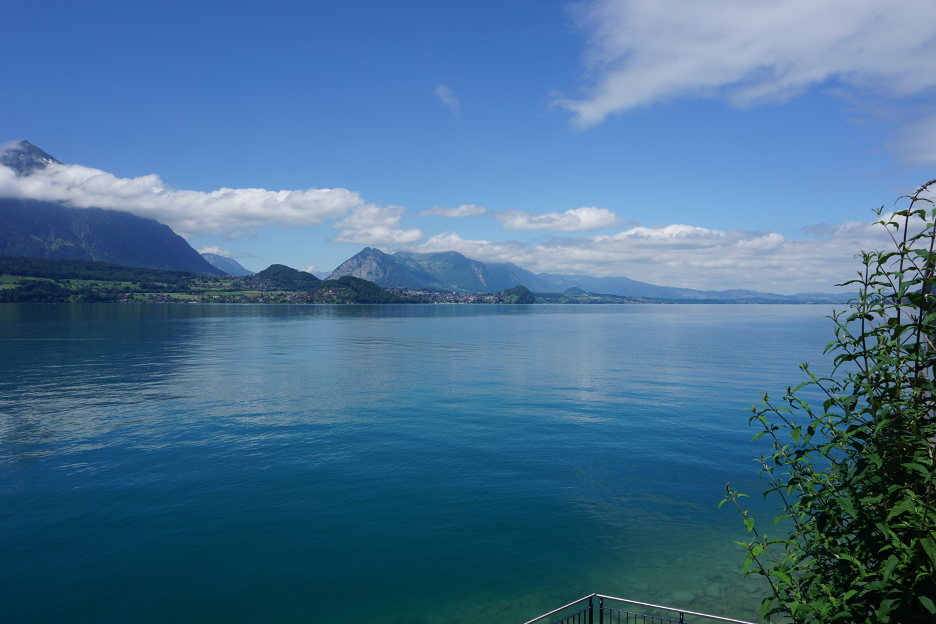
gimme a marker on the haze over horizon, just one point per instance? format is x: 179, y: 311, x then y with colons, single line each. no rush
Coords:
x: 710, y: 145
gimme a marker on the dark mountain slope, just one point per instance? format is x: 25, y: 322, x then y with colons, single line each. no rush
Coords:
x: 38, y: 229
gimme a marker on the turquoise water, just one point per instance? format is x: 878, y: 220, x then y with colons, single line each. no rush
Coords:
x: 379, y: 463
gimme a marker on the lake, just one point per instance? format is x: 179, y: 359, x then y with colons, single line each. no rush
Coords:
x: 391, y: 464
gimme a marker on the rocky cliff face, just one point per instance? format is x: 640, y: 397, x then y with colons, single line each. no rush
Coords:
x: 369, y: 265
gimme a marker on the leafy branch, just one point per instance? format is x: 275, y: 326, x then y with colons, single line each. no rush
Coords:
x: 855, y: 479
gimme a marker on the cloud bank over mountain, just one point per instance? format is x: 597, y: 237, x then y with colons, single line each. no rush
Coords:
x: 688, y: 256
x: 225, y: 212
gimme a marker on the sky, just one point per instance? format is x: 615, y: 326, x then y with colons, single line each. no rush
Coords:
x: 709, y: 144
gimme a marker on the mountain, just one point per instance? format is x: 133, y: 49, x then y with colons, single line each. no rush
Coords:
x: 384, y: 270
x: 40, y: 229
x: 506, y: 275
x: 447, y: 270
x: 450, y: 268
x: 25, y: 158
x: 622, y: 286
x: 229, y: 266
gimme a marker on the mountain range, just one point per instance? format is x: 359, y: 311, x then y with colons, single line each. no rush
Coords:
x: 452, y: 271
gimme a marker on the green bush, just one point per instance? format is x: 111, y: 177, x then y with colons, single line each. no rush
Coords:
x: 854, y: 478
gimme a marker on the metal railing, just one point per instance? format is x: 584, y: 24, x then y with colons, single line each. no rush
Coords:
x: 614, y: 615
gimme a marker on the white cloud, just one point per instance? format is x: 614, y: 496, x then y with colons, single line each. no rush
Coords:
x: 188, y: 213
x: 214, y: 249
x: 448, y: 98
x: 379, y: 235
x: 6, y: 146
x: 577, y: 220
x: 370, y: 224
x: 689, y: 256
x: 308, y: 269
x: 750, y: 51
x: 371, y: 215
x: 465, y: 210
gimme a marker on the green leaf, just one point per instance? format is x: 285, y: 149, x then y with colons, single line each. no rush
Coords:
x: 892, y: 562
x: 927, y: 603
x: 795, y: 434
x: 847, y: 505
x: 929, y: 545
x: 900, y: 508
x: 917, y: 467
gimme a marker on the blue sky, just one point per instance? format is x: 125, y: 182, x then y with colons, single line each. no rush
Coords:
x: 705, y: 143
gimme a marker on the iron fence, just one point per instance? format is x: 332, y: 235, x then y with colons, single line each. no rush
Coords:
x: 603, y: 614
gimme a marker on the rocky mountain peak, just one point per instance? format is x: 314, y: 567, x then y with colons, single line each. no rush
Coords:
x: 23, y: 157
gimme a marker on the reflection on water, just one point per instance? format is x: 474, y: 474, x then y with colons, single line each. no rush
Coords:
x: 258, y: 463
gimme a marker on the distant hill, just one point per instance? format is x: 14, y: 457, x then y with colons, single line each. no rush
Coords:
x: 349, y: 289
x: 40, y: 229
x: 518, y: 294
x: 287, y: 278
x: 229, y: 266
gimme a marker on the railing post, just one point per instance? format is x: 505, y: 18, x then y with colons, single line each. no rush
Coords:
x: 600, y: 610
x: 680, y: 617
x: 590, y: 610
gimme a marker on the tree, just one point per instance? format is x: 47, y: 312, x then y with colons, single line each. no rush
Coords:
x: 854, y: 479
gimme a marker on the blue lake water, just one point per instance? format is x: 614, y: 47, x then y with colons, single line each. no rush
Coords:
x: 197, y: 463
